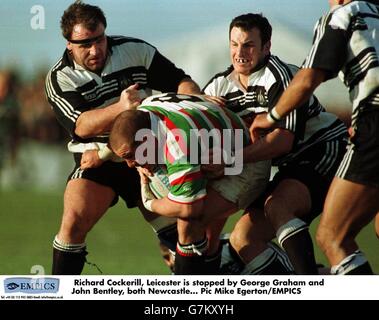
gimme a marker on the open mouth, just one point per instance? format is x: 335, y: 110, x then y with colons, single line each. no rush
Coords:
x: 241, y: 60
x: 94, y: 61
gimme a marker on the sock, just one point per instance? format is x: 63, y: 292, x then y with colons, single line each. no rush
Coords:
x: 266, y: 263
x: 190, y: 259
x: 166, y: 230
x: 282, y: 257
x: 68, y: 259
x: 231, y: 262
x: 294, y: 237
x: 168, y: 257
x: 212, y: 262
x: 168, y: 236
x: 354, y: 264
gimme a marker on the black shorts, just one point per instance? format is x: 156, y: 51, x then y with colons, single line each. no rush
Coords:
x: 315, y: 168
x: 124, y: 181
x: 361, y: 161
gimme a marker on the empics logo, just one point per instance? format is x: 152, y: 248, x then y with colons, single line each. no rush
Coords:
x: 12, y: 286
x: 31, y: 285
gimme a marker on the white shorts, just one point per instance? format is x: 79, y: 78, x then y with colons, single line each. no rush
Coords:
x: 244, y: 188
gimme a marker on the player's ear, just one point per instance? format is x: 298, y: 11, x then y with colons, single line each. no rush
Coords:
x: 69, y: 46
x: 267, y: 47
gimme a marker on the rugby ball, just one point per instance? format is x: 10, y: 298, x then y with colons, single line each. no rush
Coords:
x: 159, y: 183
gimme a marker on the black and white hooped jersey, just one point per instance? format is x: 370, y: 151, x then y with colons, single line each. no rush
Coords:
x: 310, y: 123
x: 346, y: 41
x: 71, y: 89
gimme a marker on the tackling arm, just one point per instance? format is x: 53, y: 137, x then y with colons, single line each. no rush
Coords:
x: 300, y: 90
x: 168, y: 208
x: 188, y: 86
x: 272, y: 145
x: 99, y: 121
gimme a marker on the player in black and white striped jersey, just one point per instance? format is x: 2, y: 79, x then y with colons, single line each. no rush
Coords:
x: 346, y: 40
x: 306, y: 146
x: 96, y: 79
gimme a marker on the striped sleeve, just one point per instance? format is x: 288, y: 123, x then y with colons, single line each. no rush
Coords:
x: 219, y: 84
x: 329, y: 48
x: 211, y: 88
x: 163, y: 75
x: 67, y: 104
x: 294, y: 121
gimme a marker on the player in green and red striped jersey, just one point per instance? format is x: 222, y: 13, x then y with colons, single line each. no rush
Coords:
x: 177, y: 131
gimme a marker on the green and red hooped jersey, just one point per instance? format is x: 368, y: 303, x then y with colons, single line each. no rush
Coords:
x: 182, y: 124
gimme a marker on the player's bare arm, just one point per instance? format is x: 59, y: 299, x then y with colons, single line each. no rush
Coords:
x: 169, y: 208
x: 270, y: 146
x: 90, y: 159
x: 300, y: 90
x: 99, y: 121
x: 188, y: 86
x: 218, y: 100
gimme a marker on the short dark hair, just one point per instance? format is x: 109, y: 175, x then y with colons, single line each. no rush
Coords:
x: 81, y: 13
x: 248, y: 21
x: 125, y: 127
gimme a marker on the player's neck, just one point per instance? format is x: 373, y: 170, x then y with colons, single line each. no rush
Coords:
x: 243, y: 80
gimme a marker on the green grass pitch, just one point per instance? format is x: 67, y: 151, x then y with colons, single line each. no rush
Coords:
x: 120, y: 244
